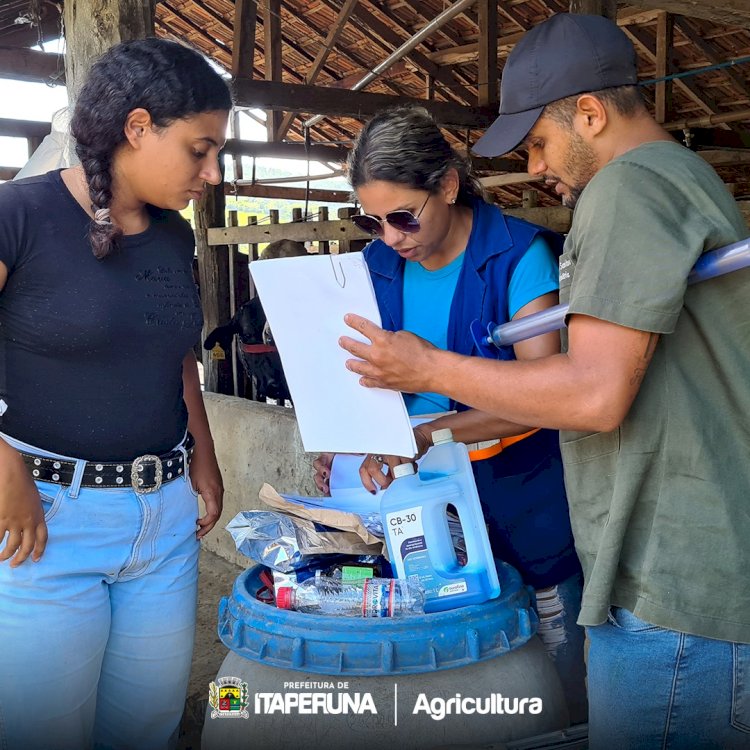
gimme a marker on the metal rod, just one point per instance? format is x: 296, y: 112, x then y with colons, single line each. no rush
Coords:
x: 403, y: 50
x: 714, y: 263
x: 696, y: 71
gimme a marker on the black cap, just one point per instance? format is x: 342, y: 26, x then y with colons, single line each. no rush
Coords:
x: 566, y: 55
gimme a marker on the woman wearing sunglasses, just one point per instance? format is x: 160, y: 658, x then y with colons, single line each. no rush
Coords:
x: 442, y: 257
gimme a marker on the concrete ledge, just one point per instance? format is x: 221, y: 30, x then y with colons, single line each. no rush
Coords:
x: 255, y: 443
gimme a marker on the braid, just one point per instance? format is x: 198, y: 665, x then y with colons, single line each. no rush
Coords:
x: 103, y: 233
x: 169, y: 80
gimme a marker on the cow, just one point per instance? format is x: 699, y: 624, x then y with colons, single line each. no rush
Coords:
x: 258, y: 355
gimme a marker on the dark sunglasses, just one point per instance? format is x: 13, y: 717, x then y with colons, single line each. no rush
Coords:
x: 401, y: 221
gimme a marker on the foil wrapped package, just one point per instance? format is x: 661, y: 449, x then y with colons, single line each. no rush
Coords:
x: 285, y: 543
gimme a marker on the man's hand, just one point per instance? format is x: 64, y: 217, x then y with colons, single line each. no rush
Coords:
x: 397, y: 360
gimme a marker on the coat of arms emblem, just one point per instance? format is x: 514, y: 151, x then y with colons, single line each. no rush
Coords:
x: 229, y: 698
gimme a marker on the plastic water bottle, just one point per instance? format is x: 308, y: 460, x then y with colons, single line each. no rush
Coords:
x: 373, y: 597
x: 415, y: 521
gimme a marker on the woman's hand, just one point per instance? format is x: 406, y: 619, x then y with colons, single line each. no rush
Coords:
x: 371, y: 472
x: 322, y: 465
x: 206, y: 479
x: 21, y: 513
x: 423, y: 438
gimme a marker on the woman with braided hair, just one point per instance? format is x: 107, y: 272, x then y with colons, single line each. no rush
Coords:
x: 104, y: 441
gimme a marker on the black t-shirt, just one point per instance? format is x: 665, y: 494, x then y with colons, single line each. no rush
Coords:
x: 91, y: 350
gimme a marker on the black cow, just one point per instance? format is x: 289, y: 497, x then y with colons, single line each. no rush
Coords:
x: 257, y: 352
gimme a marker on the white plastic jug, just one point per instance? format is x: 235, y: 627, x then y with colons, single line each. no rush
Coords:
x: 419, y: 543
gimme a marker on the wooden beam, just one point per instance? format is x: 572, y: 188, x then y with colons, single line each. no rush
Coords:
x: 554, y: 217
x: 726, y: 157
x: 470, y: 52
x: 452, y: 80
x: 316, y: 151
x: 722, y: 12
x: 275, y: 192
x: 496, y: 164
x: 298, y: 231
x: 24, y: 128
x: 688, y: 87
x: 8, y: 173
x: 498, y: 180
x: 398, y: 68
x: 328, y: 44
x: 330, y: 41
x: 392, y: 41
x: 243, y: 45
x: 30, y: 65
x: 223, y: 23
x: 317, y: 100
x: 488, y: 94
x: 711, y: 53
x: 465, y: 53
x: 348, y: 53
x: 663, y: 107
x: 197, y: 29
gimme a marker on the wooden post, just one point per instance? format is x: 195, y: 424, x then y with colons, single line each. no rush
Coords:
x: 93, y: 26
x: 345, y: 246
x: 253, y: 247
x: 234, y: 129
x: 530, y: 199
x: 350, y: 246
x: 607, y: 8
x: 213, y: 272
x: 243, y: 45
x: 663, y: 109
x: 33, y: 144
x: 487, y: 64
x: 297, y: 215
x: 272, y: 53
x: 324, y: 248
x: 232, y: 250
x: 430, y: 86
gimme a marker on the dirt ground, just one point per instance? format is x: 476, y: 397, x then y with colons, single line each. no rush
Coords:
x: 216, y: 579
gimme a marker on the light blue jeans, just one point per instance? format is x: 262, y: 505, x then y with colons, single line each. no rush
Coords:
x: 96, y: 638
x: 656, y: 689
x: 558, y: 608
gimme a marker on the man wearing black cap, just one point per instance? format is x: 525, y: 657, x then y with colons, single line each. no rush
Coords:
x: 652, y: 393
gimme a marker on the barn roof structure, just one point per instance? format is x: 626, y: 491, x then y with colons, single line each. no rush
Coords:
x: 304, y: 62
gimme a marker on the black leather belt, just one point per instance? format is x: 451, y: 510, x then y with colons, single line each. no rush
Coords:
x: 144, y: 474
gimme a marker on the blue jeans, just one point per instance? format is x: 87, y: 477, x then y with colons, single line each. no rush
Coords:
x: 651, y: 688
x: 558, y: 608
x: 96, y: 638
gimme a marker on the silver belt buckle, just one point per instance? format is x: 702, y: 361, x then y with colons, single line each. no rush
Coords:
x: 136, y: 481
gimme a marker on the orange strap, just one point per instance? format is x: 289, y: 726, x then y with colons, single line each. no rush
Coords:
x: 500, y: 446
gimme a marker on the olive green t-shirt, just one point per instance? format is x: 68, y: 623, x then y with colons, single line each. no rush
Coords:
x: 661, y: 506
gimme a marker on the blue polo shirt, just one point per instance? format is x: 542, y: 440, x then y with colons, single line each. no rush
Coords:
x: 428, y: 296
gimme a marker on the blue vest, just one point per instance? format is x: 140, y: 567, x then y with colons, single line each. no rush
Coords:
x: 522, y: 489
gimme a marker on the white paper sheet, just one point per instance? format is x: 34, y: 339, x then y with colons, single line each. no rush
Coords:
x: 305, y: 300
